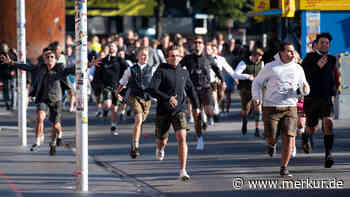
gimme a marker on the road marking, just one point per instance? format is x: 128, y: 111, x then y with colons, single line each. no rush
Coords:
x: 12, y: 186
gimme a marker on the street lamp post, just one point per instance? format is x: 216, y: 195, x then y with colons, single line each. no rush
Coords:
x: 81, y: 78
x: 21, y: 47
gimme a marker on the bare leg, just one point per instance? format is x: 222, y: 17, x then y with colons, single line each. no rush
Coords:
x: 182, y: 148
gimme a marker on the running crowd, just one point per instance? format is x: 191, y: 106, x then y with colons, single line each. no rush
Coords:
x: 191, y: 80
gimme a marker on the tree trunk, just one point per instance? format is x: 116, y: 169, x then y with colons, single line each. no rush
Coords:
x: 159, y: 18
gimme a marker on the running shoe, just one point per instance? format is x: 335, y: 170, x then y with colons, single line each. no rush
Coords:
x: 200, y: 143
x: 160, y: 154
x: 52, y: 149
x: 114, y: 130
x: 306, y: 144
x: 59, y: 141
x: 271, y: 149
x: 257, y: 132
x: 184, y: 176
x: 34, y: 148
x: 329, y: 161
x: 204, y: 126
x: 285, y: 173
x: 134, y: 152
x: 191, y: 120
x: 99, y: 113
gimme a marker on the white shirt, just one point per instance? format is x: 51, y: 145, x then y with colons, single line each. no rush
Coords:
x: 223, y: 66
x: 281, y: 82
x: 127, y: 74
x: 240, y: 68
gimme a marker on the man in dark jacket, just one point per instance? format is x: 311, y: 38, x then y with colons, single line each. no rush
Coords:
x: 322, y: 75
x: 48, y: 95
x: 109, y: 72
x: 198, y: 65
x: 169, y: 84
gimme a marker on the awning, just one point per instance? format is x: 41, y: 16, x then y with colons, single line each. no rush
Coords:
x: 113, y: 7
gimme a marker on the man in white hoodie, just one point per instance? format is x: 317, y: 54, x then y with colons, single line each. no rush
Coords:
x: 284, y: 80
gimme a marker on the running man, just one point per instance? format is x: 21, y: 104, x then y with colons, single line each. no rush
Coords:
x: 169, y: 84
x: 198, y: 65
x: 138, y: 78
x: 284, y: 80
x: 48, y: 95
x: 111, y: 69
x: 322, y: 74
x: 246, y: 71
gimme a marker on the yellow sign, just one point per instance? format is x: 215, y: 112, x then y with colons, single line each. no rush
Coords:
x: 288, y: 8
x: 259, y: 6
x: 114, y: 7
x: 325, y: 4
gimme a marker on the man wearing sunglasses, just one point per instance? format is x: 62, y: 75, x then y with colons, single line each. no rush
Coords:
x: 169, y: 84
x: 198, y: 65
x: 48, y: 94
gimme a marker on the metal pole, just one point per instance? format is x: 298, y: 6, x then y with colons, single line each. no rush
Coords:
x: 21, y: 47
x: 81, y: 79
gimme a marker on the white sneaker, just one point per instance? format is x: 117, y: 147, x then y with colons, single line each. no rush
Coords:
x: 300, y: 131
x: 160, y: 154
x: 191, y: 120
x: 294, y: 153
x: 200, y: 143
x: 211, y: 121
x: 114, y: 130
x: 184, y: 176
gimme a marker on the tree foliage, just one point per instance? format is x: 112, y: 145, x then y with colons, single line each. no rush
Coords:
x: 234, y: 9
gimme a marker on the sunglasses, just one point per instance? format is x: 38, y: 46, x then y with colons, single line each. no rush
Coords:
x: 50, y: 57
x: 198, y: 42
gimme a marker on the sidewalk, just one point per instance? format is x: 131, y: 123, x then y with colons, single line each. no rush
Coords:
x: 36, y: 174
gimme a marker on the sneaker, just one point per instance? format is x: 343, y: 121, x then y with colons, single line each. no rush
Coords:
x: 114, y: 130
x: 329, y: 161
x: 184, y: 176
x: 128, y: 112
x: 244, y: 127
x: 306, y: 144
x: 34, y: 148
x: 257, y: 132
x: 59, y: 141
x: 294, y: 153
x: 134, y: 152
x: 271, y: 149
x: 191, y: 120
x: 105, y: 114
x: 285, y: 173
x: 160, y: 154
x: 300, y: 132
x: 122, y: 117
x: 52, y: 149
x: 200, y: 143
x: 211, y: 121
x: 216, y: 118
x: 99, y: 113
x: 204, y: 126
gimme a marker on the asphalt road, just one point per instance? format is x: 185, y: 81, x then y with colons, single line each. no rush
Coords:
x: 230, y: 164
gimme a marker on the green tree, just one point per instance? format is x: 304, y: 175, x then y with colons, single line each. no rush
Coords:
x: 233, y: 9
